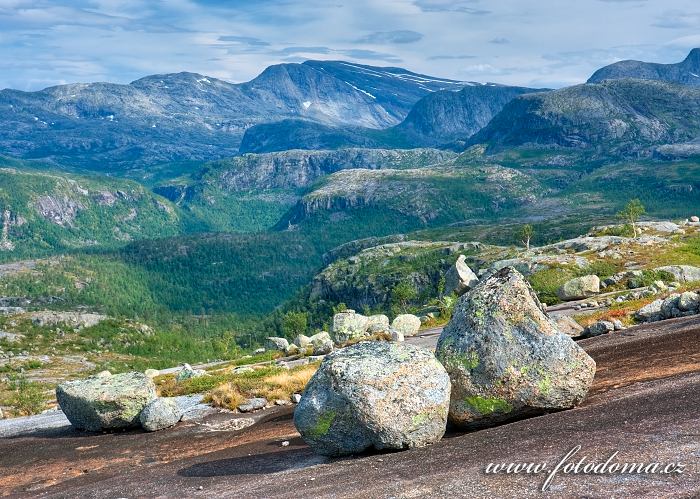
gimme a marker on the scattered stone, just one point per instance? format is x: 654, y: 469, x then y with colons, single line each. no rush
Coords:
x: 374, y: 394
x: 197, y: 412
x: 151, y: 373
x: 380, y: 322
x: 688, y: 301
x: 505, y: 356
x: 650, y: 312
x: 159, y: 414
x: 282, y: 402
x: 694, y: 219
x: 96, y: 404
x: 296, y: 398
x: 302, y: 341
x: 10, y: 337
x: 682, y: 273
x: 459, y: 278
x: 321, y: 343
x: 278, y: 344
x: 259, y: 351
x: 568, y: 326
x: 619, y: 326
x: 292, y: 349
x: 291, y: 364
x: 76, y: 320
x: 406, y: 324
x: 396, y: 335
x: 254, y: 404
x: 598, y: 328
x: 580, y: 288
x: 285, y: 443
x: 188, y: 372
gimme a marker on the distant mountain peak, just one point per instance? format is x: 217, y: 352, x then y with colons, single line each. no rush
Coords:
x: 686, y: 72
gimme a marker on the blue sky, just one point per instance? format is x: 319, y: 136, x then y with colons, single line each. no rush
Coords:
x: 537, y: 43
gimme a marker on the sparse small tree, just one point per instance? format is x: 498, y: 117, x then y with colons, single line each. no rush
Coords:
x: 526, y: 234
x: 295, y: 323
x: 631, y: 213
x: 402, y: 294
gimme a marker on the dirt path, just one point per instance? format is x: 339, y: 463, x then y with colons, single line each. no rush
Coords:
x: 644, y: 404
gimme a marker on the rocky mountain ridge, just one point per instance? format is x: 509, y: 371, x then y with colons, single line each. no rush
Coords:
x: 686, y: 72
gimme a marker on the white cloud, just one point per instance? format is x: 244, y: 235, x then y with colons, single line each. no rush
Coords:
x: 550, y: 42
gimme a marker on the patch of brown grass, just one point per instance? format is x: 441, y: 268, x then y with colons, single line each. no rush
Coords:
x: 227, y: 396
x: 283, y: 385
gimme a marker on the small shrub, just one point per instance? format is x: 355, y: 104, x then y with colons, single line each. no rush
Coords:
x: 28, y: 397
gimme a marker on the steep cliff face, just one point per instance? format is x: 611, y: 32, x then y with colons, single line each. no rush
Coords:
x: 686, y: 72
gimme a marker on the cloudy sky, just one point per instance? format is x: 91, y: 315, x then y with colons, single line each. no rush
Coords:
x: 529, y: 42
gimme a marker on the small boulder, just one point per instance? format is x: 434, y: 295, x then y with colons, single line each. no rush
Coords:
x: 321, y: 343
x: 506, y: 357
x: 689, y: 302
x: 406, y: 324
x: 276, y: 344
x: 159, y: 414
x: 682, y: 273
x: 254, y: 404
x: 107, y: 403
x: 349, y: 325
x: 151, y: 373
x: 374, y: 394
x: 650, y: 312
x: 378, y: 322
x: 396, y: 335
x: 669, y: 307
x: 694, y: 219
x: 292, y: 349
x: 459, y: 278
x: 258, y: 351
x: 579, y: 288
x: 598, y: 328
x: 302, y: 341
x: 188, y: 372
x: 568, y: 326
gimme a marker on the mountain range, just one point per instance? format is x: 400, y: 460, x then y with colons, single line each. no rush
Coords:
x: 186, y: 116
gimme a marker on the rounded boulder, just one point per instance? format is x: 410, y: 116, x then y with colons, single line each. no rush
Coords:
x: 160, y: 413
x: 374, y: 394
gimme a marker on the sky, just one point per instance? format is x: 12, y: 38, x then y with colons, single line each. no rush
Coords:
x: 542, y: 43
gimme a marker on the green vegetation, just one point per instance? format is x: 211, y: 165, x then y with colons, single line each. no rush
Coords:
x: 631, y: 213
x: 488, y: 405
x: 26, y: 397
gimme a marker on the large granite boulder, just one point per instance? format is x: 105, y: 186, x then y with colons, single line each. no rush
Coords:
x: 506, y: 357
x: 459, y: 278
x: 682, y: 273
x: 374, y: 394
x: 160, y: 413
x: 580, y: 288
x: 406, y: 324
x: 106, y: 402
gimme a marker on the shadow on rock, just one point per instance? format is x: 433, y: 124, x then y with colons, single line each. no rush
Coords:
x: 270, y: 462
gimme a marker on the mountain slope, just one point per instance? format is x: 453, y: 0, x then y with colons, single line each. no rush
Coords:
x: 436, y: 120
x: 253, y: 191
x: 686, y: 72
x: 186, y: 116
x: 616, y: 118
x: 44, y: 212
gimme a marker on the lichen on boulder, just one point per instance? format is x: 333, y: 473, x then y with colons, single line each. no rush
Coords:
x: 106, y: 402
x: 506, y: 357
x: 374, y: 394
